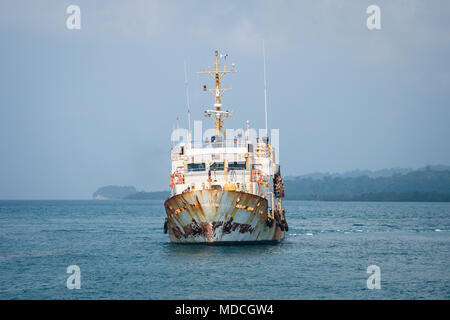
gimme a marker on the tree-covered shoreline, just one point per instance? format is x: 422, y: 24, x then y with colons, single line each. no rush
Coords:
x: 421, y: 185
x: 425, y: 185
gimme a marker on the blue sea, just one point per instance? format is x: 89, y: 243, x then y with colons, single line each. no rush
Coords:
x: 122, y: 253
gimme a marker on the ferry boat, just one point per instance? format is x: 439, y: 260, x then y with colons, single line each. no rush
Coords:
x: 225, y: 191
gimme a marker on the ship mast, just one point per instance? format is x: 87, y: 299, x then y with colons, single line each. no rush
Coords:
x: 217, y: 74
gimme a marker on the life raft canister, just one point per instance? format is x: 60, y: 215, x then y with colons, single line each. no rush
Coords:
x: 176, y: 178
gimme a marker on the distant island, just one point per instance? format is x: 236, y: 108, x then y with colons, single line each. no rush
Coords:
x: 428, y: 184
x: 127, y: 193
x: 154, y: 195
x: 113, y: 192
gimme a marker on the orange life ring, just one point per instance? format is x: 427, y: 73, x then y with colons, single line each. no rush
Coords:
x: 257, y: 176
x: 176, y: 178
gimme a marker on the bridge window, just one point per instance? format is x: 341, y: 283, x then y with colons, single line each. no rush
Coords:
x: 196, y: 166
x: 236, y: 165
x: 217, y: 166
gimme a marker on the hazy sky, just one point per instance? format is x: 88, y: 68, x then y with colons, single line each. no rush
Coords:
x: 80, y: 109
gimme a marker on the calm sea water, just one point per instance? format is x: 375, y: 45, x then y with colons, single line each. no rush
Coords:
x: 123, y: 253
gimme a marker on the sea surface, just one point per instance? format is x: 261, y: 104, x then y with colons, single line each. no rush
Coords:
x: 122, y: 253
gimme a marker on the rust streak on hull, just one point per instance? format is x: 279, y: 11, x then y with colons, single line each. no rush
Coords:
x: 220, y: 217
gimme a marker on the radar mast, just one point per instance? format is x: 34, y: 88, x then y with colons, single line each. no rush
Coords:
x: 218, y: 114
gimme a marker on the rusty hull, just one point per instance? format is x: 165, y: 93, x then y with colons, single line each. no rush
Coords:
x: 220, y: 217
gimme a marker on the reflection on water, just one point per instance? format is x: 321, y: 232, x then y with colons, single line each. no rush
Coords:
x: 212, y: 250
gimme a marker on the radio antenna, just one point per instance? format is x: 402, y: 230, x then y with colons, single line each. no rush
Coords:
x: 265, y: 91
x: 187, y: 95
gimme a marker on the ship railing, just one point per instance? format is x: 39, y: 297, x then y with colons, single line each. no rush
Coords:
x: 229, y: 143
x: 231, y: 173
x: 197, y: 144
x: 246, y: 187
x: 176, y: 156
